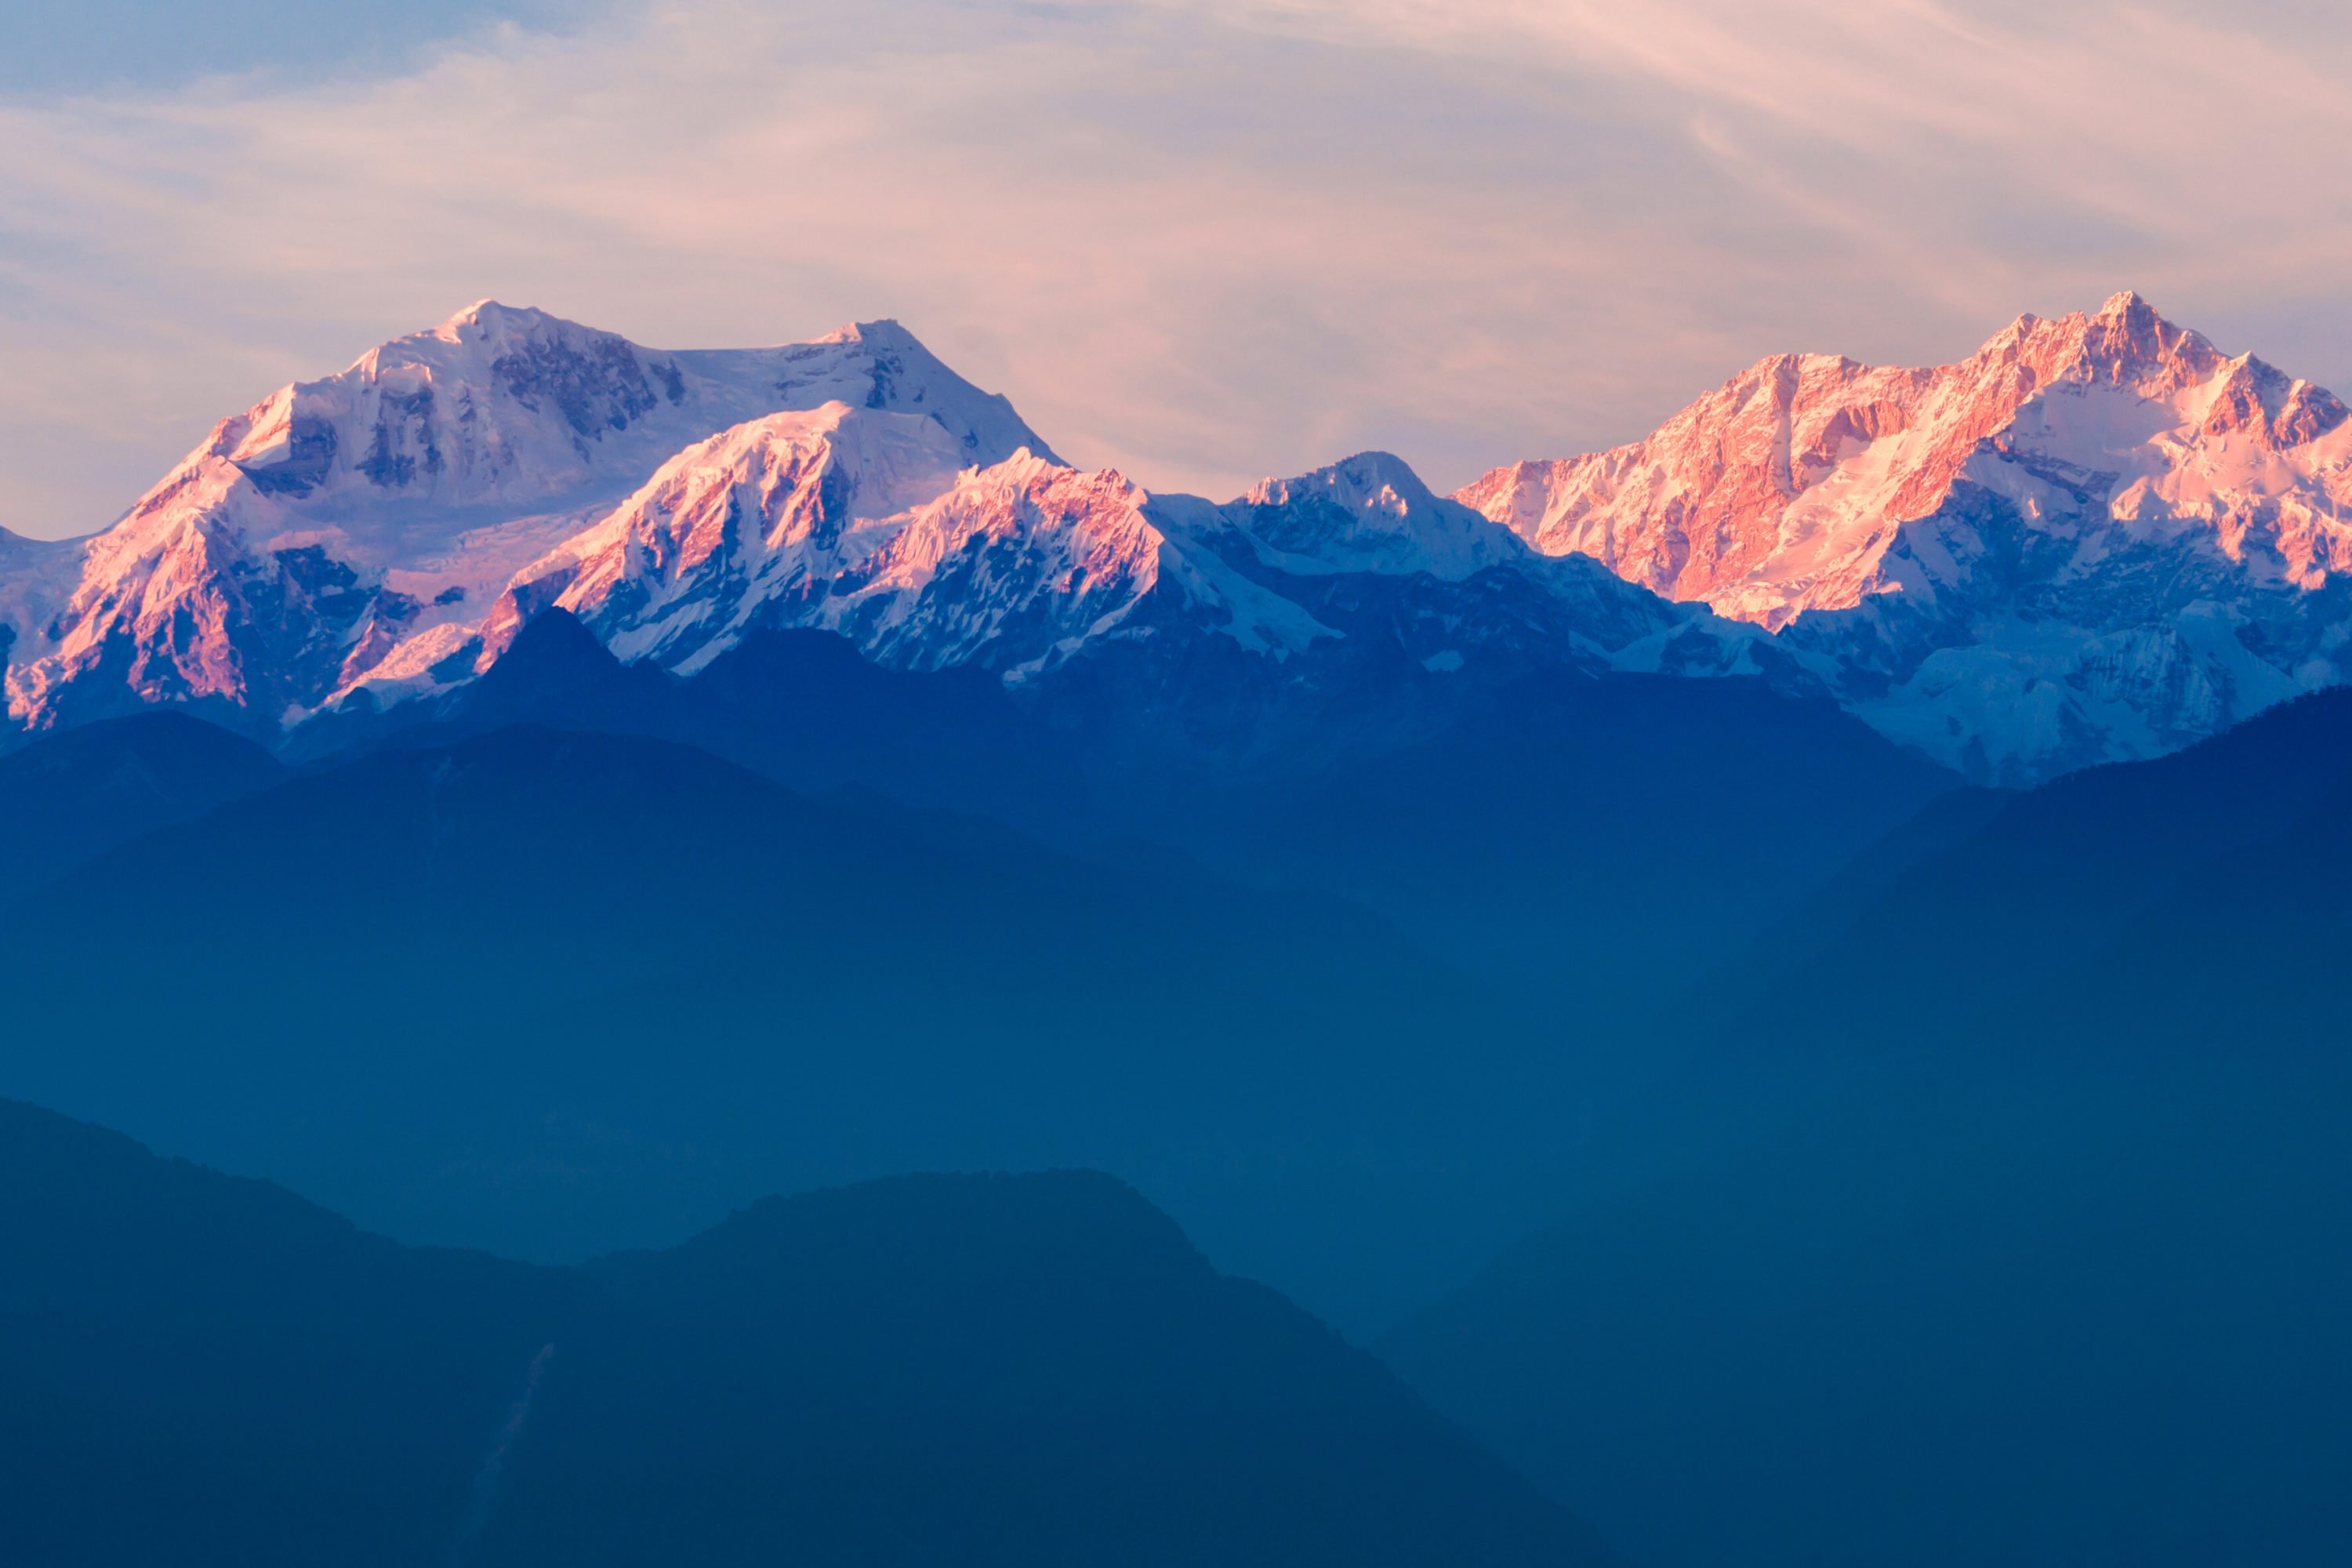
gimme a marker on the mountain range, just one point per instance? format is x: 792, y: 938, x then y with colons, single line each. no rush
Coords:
x: 1784, y: 978
x: 554, y: 993
x: 2097, y: 538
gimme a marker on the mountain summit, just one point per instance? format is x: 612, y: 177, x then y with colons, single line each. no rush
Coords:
x: 2098, y: 537
x: 308, y: 538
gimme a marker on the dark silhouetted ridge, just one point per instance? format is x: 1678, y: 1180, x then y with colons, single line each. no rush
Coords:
x: 70, y: 796
x: 1974, y: 1231
x: 801, y: 707
x: 941, y: 1370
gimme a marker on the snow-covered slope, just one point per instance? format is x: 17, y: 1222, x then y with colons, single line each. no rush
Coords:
x: 865, y: 522
x: 746, y: 527
x: 1024, y: 564
x: 2097, y: 538
x: 308, y: 538
x: 1369, y: 513
x: 1366, y: 547
x: 35, y: 574
x: 512, y: 406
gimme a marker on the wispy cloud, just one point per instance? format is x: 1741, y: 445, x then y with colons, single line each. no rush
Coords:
x: 1203, y: 239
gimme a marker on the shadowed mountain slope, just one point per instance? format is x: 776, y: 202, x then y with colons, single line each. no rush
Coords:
x: 2007, y: 1227
x: 554, y: 993
x: 803, y: 708
x: 1613, y: 838
x: 1558, y: 826
x: 67, y: 797
x: 927, y: 1371
x: 2018, y: 892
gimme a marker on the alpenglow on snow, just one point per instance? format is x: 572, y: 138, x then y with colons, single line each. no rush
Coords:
x: 2096, y: 538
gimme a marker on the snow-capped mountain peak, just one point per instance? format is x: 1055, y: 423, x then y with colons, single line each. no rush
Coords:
x: 337, y: 521
x: 751, y: 523
x: 1373, y: 481
x: 495, y: 404
x: 505, y: 403
x: 488, y: 318
x: 1370, y: 512
x: 1991, y: 528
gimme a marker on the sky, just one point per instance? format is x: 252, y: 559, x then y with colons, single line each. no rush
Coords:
x: 1201, y: 240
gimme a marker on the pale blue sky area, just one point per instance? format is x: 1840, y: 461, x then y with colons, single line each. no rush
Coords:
x: 85, y: 46
x: 1201, y: 240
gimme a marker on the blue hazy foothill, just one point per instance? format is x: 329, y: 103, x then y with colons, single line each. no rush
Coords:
x: 1767, y: 1147
x: 196, y: 1369
x: 2006, y: 1217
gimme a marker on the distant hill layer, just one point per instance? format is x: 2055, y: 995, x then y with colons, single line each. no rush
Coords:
x: 925, y: 1371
